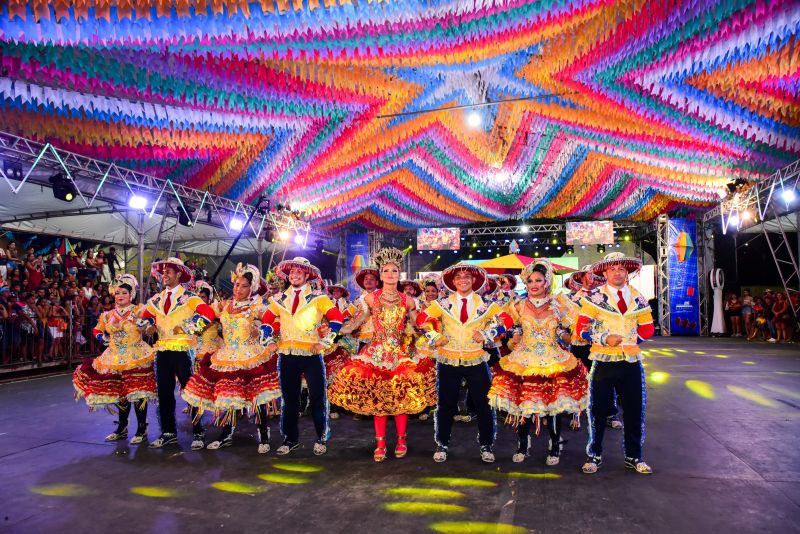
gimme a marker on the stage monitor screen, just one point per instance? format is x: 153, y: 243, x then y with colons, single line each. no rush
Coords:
x: 590, y: 233
x: 438, y: 238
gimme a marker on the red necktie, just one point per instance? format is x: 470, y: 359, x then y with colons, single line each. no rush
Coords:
x: 621, y: 304
x: 167, y: 302
x: 464, y: 314
x: 296, y: 301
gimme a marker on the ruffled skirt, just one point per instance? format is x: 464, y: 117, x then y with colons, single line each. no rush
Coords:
x: 363, y: 388
x: 335, y: 361
x: 527, y: 396
x: 226, y: 392
x: 106, y: 389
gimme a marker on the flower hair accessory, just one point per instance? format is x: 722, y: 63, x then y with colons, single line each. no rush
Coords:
x: 126, y: 279
x: 548, y: 277
x: 242, y: 269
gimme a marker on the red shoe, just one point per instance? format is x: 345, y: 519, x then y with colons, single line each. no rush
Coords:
x: 401, y: 449
x: 380, y: 451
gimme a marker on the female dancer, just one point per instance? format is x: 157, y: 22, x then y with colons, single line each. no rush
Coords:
x: 241, y: 375
x: 382, y: 380
x: 540, y: 377
x: 123, y: 374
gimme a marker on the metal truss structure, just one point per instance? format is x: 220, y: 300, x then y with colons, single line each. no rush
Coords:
x: 760, y: 203
x: 662, y: 272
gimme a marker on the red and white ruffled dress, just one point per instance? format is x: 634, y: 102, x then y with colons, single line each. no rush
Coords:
x: 540, y: 376
x: 240, y: 375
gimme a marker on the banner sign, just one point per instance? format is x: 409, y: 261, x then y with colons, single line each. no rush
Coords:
x: 684, y: 301
x: 357, y: 247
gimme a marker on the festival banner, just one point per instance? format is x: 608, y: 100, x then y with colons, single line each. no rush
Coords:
x: 357, y: 255
x: 683, y: 281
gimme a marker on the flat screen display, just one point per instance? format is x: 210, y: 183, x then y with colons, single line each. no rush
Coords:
x: 438, y: 238
x: 590, y: 233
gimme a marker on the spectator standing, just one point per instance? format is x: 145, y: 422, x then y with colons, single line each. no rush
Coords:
x: 747, y: 311
x: 769, y: 300
x: 782, y: 317
x: 735, y: 312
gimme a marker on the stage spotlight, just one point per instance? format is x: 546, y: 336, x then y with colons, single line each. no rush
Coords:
x: 489, y: 250
x: 474, y: 120
x: 746, y: 216
x: 536, y: 253
x: 787, y: 195
x: 601, y: 249
x: 547, y: 247
x: 470, y: 256
x: 733, y: 220
x: 627, y: 237
x: 474, y: 245
x: 478, y: 251
x: 63, y: 188
x: 430, y: 252
x: 186, y: 216
x: 284, y: 234
x: 298, y: 239
x: 13, y: 170
x: 570, y: 250
x: 237, y: 224
x: 137, y: 202
x: 524, y: 229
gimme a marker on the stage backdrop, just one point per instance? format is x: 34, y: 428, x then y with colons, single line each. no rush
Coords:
x: 683, y: 282
x: 357, y: 246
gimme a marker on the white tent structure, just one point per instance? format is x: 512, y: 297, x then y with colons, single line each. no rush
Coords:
x: 102, y: 211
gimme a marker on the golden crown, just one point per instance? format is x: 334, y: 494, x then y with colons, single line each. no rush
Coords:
x: 389, y: 255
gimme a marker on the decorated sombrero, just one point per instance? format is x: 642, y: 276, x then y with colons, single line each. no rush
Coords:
x: 478, y: 275
x: 412, y: 283
x: 126, y: 279
x: 344, y: 290
x: 631, y: 265
x: 299, y: 262
x: 158, y: 269
x: 491, y: 285
x: 364, y: 272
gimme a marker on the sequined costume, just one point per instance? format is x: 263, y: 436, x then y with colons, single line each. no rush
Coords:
x: 124, y: 370
x: 240, y: 375
x: 540, y: 376
x: 382, y: 379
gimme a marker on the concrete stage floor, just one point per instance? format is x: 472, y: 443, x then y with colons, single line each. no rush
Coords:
x: 723, y: 422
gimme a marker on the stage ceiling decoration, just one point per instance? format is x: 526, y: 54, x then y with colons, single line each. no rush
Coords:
x: 612, y: 109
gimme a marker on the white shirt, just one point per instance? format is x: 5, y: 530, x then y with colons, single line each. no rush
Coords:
x: 626, y: 293
x: 470, y: 304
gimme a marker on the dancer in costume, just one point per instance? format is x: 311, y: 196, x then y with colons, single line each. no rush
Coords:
x: 422, y: 351
x: 123, y: 375
x: 297, y: 314
x: 177, y: 315
x: 467, y: 321
x: 382, y: 380
x: 622, y: 320
x: 540, y: 377
x: 340, y: 353
x: 241, y: 376
x: 208, y: 342
x: 368, y: 279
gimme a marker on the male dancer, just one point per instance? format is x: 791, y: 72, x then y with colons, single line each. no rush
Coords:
x: 177, y: 315
x: 466, y: 322
x: 623, y: 319
x: 297, y: 314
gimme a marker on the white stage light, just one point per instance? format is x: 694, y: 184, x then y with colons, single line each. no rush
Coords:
x: 237, y: 224
x: 787, y: 195
x: 137, y: 202
x: 474, y: 120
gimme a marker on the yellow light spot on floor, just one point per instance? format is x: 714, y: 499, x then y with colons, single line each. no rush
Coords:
x: 455, y: 481
x: 699, y: 352
x: 62, y: 490
x: 237, y: 487
x: 682, y: 351
x: 425, y: 508
x: 721, y: 356
x: 281, y: 478
x: 783, y: 391
x: 475, y: 527
x: 658, y: 377
x: 702, y: 389
x: 519, y: 474
x: 425, y: 493
x: 298, y: 468
x: 752, y: 396
x: 749, y: 363
x: 154, y: 491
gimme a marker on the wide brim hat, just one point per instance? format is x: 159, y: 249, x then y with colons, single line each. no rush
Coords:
x: 478, y: 275
x: 202, y: 284
x: 345, y: 291
x: 361, y: 273
x: 186, y: 274
x: 413, y: 283
x: 492, y: 283
x: 631, y: 265
x: 299, y: 262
